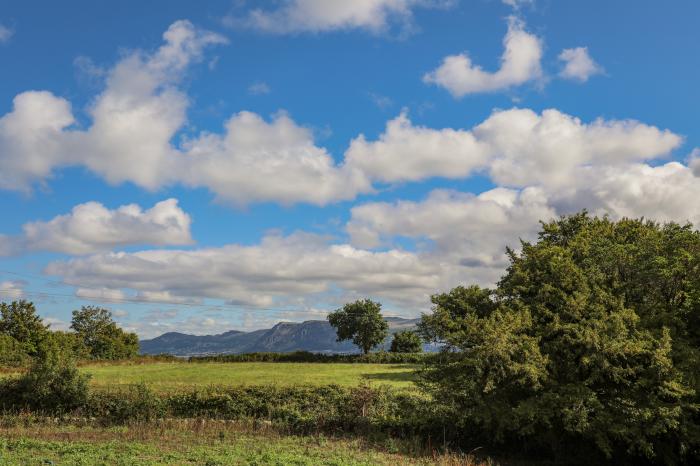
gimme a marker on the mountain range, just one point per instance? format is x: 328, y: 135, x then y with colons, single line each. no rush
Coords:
x: 313, y: 335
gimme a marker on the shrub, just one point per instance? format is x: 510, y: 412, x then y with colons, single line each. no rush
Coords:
x: 52, y: 384
x: 406, y: 342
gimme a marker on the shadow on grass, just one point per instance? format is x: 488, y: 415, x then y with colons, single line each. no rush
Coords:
x: 391, y: 376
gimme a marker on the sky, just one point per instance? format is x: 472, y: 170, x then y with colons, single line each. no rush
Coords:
x: 201, y: 167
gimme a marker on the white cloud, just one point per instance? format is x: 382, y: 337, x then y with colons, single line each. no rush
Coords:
x: 91, y: 227
x: 405, y: 152
x: 302, y: 266
x: 259, y: 88
x: 663, y: 193
x: 520, y: 63
x: 694, y: 161
x: 453, y: 220
x: 550, y: 148
x: 5, y: 34
x: 100, y: 294
x: 316, y: 16
x: 578, y: 64
x: 516, y: 147
x: 136, y: 117
x: 12, y: 289
x: 287, y: 166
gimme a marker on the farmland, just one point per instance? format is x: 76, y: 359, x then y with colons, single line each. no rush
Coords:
x: 174, y: 376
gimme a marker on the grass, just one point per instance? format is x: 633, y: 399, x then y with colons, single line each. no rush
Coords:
x: 174, y: 376
x: 196, y: 442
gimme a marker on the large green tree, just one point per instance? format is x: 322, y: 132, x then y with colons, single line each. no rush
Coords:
x: 361, y: 322
x: 592, y: 337
x: 20, y: 321
x: 101, y: 335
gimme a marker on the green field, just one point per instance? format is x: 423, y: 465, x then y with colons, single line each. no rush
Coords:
x: 200, y: 443
x: 173, y: 376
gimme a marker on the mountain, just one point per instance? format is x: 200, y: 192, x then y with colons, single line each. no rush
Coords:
x: 313, y: 335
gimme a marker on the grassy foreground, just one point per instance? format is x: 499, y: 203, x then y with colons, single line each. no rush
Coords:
x: 174, y: 376
x: 196, y: 442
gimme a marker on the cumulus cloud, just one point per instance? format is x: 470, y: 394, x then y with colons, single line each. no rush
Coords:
x: 578, y: 64
x: 303, y: 266
x: 134, y: 121
x: 288, y: 166
x: 405, y: 152
x: 694, y: 161
x: 295, y: 16
x: 516, y: 147
x: 520, y: 63
x: 91, y: 227
x: 549, y: 148
x: 12, y: 289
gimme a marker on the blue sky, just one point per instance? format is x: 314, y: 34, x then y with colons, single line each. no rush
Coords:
x: 281, y: 158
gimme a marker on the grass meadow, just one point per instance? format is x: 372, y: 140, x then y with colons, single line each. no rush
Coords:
x: 199, y: 442
x: 174, y: 376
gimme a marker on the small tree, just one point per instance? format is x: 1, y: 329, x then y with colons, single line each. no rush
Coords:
x: 101, y: 335
x: 20, y: 321
x: 361, y: 322
x: 406, y: 341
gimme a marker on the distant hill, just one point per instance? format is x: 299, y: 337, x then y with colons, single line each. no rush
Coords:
x: 313, y: 335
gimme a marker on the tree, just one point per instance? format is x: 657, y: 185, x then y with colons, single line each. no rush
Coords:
x: 406, y: 341
x: 101, y: 335
x: 591, y: 337
x: 361, y: 322
x: 20, y: 321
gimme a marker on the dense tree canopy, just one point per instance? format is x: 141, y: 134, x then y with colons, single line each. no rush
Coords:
x: 361, y: 322
x: 592, y: 337
x: 406, y: 341
x: 100, y: 334
x: 20, y: 321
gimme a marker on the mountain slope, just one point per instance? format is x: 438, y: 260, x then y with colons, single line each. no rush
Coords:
x: 313, y: 335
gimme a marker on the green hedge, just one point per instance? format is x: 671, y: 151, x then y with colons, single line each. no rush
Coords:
x: 298, y: 409
x: 306, y: 356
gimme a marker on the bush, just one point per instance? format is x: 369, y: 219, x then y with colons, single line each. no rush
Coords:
x: 590, y: 342
x: 406, y: 342
x: 52, y: 384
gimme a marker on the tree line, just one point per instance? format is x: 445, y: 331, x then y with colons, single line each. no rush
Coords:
x: 24, y: 336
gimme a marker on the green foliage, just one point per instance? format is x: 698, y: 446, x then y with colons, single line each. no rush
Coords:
x: 406, y: 341
x: 361, y: 322
x: 20, y: 321
x: 52, y: 384
x: 101, y: 336
x: 12, y: 352
x: 380, y: 357
x: 590, y: 338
